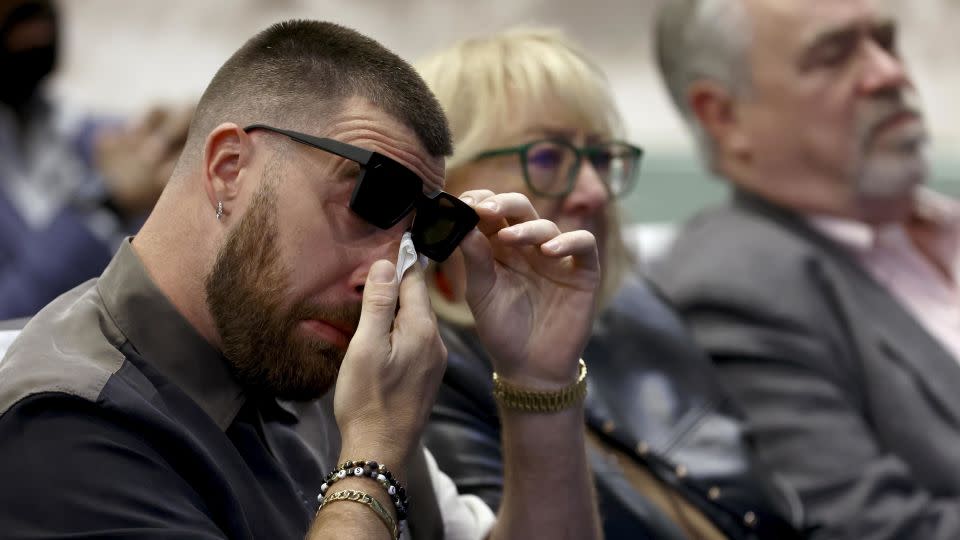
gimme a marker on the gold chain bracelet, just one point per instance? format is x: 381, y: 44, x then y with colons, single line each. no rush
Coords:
x: 357, y: 496
x: 543, y: 401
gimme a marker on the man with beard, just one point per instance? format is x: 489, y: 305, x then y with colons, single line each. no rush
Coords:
x: 176, y: 395
x: 71, y: 186
x: 825, y: 289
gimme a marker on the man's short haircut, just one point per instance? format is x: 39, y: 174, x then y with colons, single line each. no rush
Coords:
x: 703, y: 40
x: 296, y: 73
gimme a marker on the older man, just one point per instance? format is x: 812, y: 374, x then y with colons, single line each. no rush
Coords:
x: 146, y: 403
x: 825, y: 290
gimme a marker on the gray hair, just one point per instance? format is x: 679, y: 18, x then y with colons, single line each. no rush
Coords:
x: 703, y: 39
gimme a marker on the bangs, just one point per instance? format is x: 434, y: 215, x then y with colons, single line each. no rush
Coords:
x: 497, y: 88
x: 545, y: 84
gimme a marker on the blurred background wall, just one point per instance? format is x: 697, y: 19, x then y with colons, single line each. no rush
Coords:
x: 120, y: 56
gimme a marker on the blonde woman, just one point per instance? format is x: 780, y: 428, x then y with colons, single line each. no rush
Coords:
x: 531, y: 114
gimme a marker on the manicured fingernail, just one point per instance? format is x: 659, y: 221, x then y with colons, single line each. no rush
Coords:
x: 382, y: 272
x: 553, y: 245
x: 489, y: 205
x: 467, y: 199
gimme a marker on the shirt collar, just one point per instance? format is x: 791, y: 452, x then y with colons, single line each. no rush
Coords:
x: 938, y: 211
x: 164, y: 338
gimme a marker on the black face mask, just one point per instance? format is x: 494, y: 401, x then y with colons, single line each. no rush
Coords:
x: 23, y: 71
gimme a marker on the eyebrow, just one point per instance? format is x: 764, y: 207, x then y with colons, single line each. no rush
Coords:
x: 563, y: 134
x: 842, y: 34
x: 551, y: 132
x: 831, y: 36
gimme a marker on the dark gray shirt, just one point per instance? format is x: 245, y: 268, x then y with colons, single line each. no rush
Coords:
x: 118, y: 420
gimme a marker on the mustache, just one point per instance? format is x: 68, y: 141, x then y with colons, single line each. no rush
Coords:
x: 345, y: 317
x: 881, y: 112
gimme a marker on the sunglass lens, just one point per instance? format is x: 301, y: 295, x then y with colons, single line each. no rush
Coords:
x: 385, y: 194
x: 441, y: 224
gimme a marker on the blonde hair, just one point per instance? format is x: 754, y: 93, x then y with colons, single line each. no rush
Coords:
x: 487, y: 84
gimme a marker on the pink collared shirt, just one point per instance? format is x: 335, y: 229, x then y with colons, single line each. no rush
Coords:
x: 893, y: 258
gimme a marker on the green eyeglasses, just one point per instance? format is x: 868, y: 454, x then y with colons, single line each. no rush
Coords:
x: 550, y: 166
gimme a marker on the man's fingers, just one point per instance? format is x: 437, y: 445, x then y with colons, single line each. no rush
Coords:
x: 414, y: 299
x: 580, y: 244
x: 492, y: 223
x: 534, y: 232
x: 474, y: 197
x: 379, y: 303
x: 481, y: 269
x: 512, y: 207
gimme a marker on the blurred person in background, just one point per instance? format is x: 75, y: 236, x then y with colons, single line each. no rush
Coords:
x: 825, y: 289
x: 70, y: 188
x: 531, y: 114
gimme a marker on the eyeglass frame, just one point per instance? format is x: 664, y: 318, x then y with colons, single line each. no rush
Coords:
x: 370, y: 160
x: 579, y: 153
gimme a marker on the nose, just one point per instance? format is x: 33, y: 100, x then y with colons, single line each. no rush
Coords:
x: 590, y: 193
x: 884, y: 71
x: 385, y: 244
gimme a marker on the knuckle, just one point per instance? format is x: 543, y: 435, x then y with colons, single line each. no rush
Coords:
x: 379, y: 299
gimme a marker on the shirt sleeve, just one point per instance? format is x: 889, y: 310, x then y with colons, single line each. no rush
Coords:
x: 71, y: 469
x: 465, y: 517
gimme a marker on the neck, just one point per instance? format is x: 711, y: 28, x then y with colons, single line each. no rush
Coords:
x: 177, y: 249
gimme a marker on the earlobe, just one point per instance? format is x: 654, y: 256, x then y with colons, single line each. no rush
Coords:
x: 226, y: 153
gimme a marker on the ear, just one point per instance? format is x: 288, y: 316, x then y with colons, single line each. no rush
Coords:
x: 226, y: 152
x: 717, y: 111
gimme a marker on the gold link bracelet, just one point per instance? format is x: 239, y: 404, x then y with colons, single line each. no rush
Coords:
x: 354, y: 495
x: 542, y: 401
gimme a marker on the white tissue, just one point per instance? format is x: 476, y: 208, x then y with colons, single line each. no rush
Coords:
x: 407, y: 256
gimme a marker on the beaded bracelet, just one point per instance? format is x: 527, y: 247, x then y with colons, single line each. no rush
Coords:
x: 375, y: 471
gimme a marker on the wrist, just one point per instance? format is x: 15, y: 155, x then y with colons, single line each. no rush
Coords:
x: 545, y: 375
x: 392, y: 460
x: 513, y: 396
x: 371, y: 473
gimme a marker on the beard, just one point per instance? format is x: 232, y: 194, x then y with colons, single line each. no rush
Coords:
x: 245, y: 291
x: 892, y: 161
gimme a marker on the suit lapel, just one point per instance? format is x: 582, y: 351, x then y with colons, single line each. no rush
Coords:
x: 892, y: 329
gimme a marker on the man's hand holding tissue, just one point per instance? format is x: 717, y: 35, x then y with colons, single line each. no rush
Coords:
x: 532, y: 290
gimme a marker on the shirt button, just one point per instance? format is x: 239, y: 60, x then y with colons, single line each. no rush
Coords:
x: 713, y: 493
x: 643, y: 448
x: 681, y: 471
x: 608, y: 427
x: 750, y: 519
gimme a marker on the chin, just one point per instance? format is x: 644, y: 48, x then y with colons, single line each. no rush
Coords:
x: 888, y: 183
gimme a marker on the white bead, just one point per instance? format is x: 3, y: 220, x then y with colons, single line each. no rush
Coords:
x: 323, y: 488
x: 381, y: 478
x: 392, y: 490
x: 342, y: 473
x: 358, y: 471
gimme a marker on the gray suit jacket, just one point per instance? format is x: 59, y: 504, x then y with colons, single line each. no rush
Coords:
x: 848, y: 398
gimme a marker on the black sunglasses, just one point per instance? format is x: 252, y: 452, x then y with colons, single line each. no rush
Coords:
x: 387, y: 191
